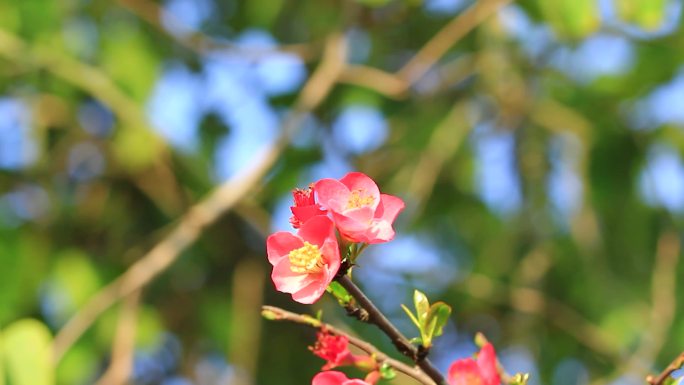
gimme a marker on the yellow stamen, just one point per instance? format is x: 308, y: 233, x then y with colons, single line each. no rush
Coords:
x: 306, y: 259
x: 357, y: 199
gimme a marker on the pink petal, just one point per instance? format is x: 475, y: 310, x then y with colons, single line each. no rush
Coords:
x: 360, y: 181
x: 486, y: 361
x: 331, y: 256
x: 287, y: 281
x: 317, y: 230
x: 280, y: 244
x: 329, y: 378
x: 313, y: 291
x: 356, y: 381
x: 464, y: 372
x: 389, y: 208
x: 331, y: 194
x: 381, y: 231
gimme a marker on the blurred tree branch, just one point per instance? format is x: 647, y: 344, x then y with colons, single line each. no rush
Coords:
x: 121, y: 361
x: 674, y: 365
x: 440, y: 43
x: 206, y: 212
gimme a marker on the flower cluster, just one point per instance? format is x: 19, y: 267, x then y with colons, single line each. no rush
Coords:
x: 305, y: 263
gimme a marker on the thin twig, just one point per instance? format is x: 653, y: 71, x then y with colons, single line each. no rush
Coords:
x: 209, y: 210
x: 440, y: 43
x: 674, y: 365
x: 402, y: 343
x: 119, y: 369
x: 278, y: 314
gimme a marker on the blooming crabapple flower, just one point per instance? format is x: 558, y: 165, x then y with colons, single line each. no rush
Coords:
x: 471, y: 372
x: 304, y: 264
x: 334, y: 349
x: 360, y: 212
x: 336, y: 378
x: 305, y: 207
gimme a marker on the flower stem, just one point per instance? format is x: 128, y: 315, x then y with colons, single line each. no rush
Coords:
x: 402, y: 343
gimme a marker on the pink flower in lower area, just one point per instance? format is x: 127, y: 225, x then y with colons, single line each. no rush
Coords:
x: 482, y: 371
x: 360, y: 212
x: 336, y: 378
x: 334, y: 349
x: 305, y: 207
x: 305, y: 263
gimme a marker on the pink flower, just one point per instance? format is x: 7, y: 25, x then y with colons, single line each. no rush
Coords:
x: 336, y: 378
x: 334, y: 349
x: 304, y: 264
x: 360, y: 212
x: 305, y: 207
x: 468, y: 371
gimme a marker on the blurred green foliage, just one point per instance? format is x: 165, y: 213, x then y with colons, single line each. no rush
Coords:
x: 90, y: 188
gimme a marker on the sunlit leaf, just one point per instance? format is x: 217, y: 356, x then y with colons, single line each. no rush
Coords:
x: 571, y: 18
x: 647, y: 14
x: 27, y: 352
x: 440, y: 312
x: 420, y: 301
x: 411, y: 316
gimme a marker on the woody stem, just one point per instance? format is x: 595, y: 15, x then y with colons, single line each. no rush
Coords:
x: 402, y: 343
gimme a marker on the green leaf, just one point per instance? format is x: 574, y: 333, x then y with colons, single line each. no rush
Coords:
x: 573, y: 19
x: 340, y: 293
x: 422, y: 306
x: 413, y: 318
x: 27, y: 354
x: 387, y: 372
x: 647, y: 14
x: 2, y: 362
x: 136, y: 148
x: 440, y: 312
x: 428, y: 332
x: 373, y: 3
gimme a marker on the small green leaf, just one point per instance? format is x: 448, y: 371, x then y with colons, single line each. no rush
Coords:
x: 422, y: 306
x: 413, y: 318
x: 440, y: 312
x: 429, y: 332
x: 416, y: 340
x: 387, y: 372
x: 340, y: 293
x: 480, y: 340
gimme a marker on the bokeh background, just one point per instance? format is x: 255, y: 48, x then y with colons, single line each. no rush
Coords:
x: 538, y: 146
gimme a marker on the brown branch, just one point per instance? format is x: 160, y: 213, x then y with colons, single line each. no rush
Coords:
x: 674, y: 365
x: 207, y: 211
x: 121, y: 363
x: 402, y: 343
x: 278, y: 314
x: 378, y: 80
x: 440, y: 43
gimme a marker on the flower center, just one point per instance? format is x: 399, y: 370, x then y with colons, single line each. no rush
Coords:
x: 357, y: 199
x: 306, y: 259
